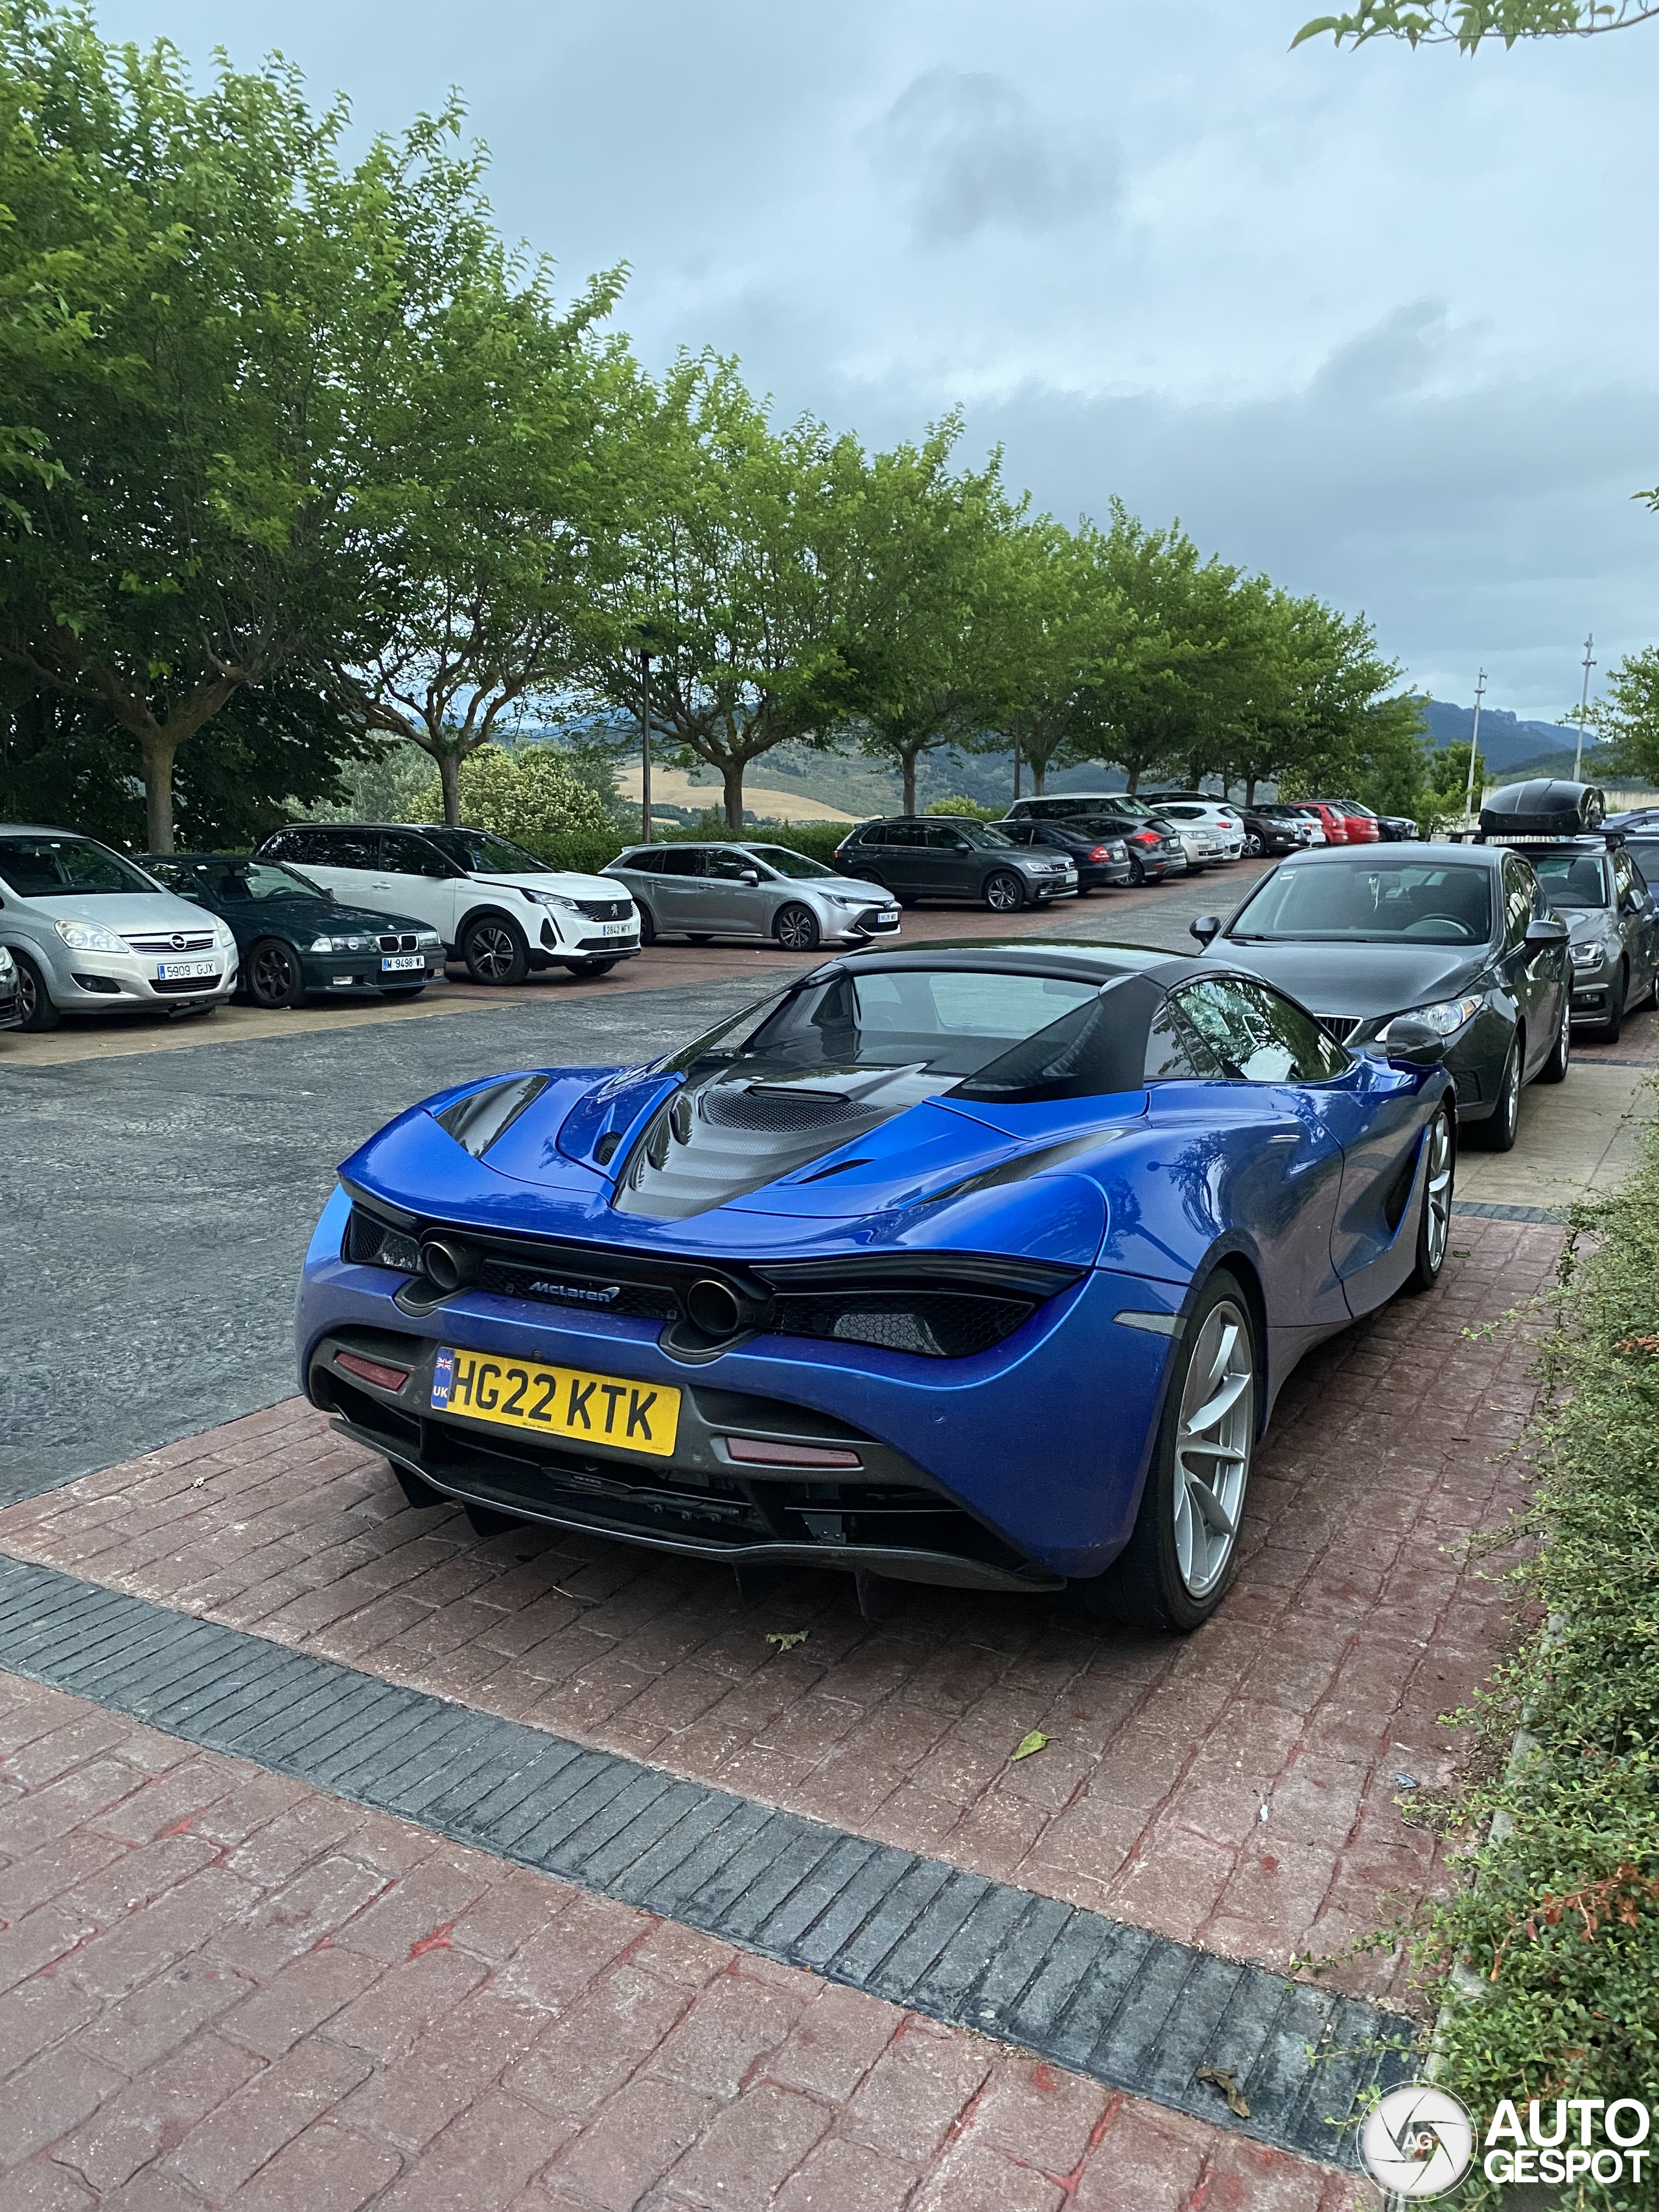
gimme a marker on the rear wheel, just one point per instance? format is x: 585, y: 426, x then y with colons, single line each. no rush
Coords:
x: 796, y: 929
x: 1004, y: 892
x: 1555, y: 1067
x: 273, y: 973
x: 496, y: 951
x: 1175, y: 1569
x: 1498, y: 1132
x: 34, y: 999
x: 1434, y: 1220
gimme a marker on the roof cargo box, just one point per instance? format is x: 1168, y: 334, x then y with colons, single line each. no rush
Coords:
x: 1542, y: 808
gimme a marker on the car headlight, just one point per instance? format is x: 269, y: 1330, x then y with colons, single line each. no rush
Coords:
x: 427, y: 938
x: 90, y: 937
x: 1445, y: 1015
x: 1583, y: 956
x: 224, y: 935
x: 6, y: 964
x: 340, y: 944
x: 552, y: 898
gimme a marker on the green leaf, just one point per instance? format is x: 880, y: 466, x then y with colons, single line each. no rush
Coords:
x: 788, y: 1643
x: 1029, y: 1746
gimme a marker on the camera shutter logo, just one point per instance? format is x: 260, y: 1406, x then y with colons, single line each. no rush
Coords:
x: 1417, y: 2141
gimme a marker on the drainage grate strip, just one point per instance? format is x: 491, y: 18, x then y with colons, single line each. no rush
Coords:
x: 1478, y: 1210
x: 1133, y: 2010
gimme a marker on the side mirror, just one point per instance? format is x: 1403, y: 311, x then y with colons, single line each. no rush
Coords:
x: 1411, y: 1043
x: 960, y: 845
x: 1207, y: 926
x: 749, y: 876
x: 1546, y: 929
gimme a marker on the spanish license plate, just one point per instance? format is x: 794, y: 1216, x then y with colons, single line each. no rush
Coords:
x: 398, y: 962
x: 617, y: 929
x: 169, y: 971
x: 556, y: 1401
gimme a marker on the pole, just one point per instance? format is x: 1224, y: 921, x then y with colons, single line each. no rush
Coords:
x: 1016, y: 767
x: 645, y: 747
x: 1583, y: 710
x: 1474, y: 747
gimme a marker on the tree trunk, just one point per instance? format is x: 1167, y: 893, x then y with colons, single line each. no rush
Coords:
x: 449, y: 778
x: 1134, y: 783
x: 908, y: 764
x: 732, y: 777
x: 1039, y: 775
x: 1249, y: 791
x: 160, y: 748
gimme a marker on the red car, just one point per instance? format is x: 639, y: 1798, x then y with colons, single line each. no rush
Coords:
x: 1345, y: 823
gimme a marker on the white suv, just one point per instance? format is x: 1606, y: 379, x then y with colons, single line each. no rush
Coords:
x: 497, y: 907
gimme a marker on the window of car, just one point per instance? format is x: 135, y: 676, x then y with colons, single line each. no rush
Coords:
x: 682, y: 859
x: 1257, y: 1036
x: 1644, y: 859
x: 47, y: 866
x: 240, y: 883
x: 1374, y: 900
x: 1574, y: 880
x: 984, y: 834
x: 348, y: 849
x: 729, y: 865
x: 403, y: 853
x: 647, y: 861
x: 944, y: 837
x: 904, y: 833
x: 1519, y: 895
x: 303, y: 845
x: 949, y: 1021
x: 798, y: 867
x: 1170, y: 1056
x: 482, y: 854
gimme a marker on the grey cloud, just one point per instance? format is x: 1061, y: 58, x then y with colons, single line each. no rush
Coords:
x: 969, y: 153
x: 1394, y: 357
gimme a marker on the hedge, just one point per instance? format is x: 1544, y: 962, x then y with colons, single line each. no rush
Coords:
x: 586, y: 852
x: 1557, y: 1928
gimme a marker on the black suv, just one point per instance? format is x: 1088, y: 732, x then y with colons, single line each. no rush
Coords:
x: 920, y: 856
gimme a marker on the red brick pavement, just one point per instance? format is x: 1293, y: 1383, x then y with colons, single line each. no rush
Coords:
x: 1241, y: 1789
x: 220, y: 1988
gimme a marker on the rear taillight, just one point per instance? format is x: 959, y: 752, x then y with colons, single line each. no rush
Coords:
x: 1145, y: 838
x: 373, y: 1370
x: 1100, y: 852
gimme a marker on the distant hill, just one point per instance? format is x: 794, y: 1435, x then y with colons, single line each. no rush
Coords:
x: 1506, y: 741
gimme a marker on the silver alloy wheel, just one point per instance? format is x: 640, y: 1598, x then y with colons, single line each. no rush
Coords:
x: 797, y: 930
x: 1002, y: 894
x: 1509, y: 1106
x: 1437, y: 1195
x: 494, y: 950
x: 1214, y: 1442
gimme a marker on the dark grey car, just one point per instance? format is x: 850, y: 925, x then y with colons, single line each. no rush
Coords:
x: 1603, y: 898
x: 1458, y: 936
x: 950, y: 857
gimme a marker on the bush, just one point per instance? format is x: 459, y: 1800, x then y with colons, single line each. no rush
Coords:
x: 969, y: 808
x: 582, y: 853
x: 1559, y: 1922
x: 532, y: 792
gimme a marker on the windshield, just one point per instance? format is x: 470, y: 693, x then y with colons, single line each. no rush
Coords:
x: 1364, y: 901
x: 56, y: 867
x: 238, y: 883
x: 785, y: 863
x: 1573, y: 878
x: 981, y: 833
x: 483, y: 853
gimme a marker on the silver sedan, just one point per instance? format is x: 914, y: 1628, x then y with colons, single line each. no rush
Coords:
x: 758, y: 890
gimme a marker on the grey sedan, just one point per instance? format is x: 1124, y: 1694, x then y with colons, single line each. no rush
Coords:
x: 1603, y: 899
x: 759, y: 891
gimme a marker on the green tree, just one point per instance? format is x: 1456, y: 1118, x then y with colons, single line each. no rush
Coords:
x: 743, y: 552
x: 529, y: 791
x: 1626, y: 718
x: 1467, y: 24
x: 174, y: 270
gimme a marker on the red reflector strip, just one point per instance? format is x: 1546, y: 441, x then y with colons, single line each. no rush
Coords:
x: 373, y: 1370
x: 749, y: 1451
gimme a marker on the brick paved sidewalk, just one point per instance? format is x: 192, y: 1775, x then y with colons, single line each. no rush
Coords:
x: 219, y: 1988
x: 1242, y: 1790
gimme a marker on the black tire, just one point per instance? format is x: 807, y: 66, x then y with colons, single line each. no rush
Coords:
x: 796, y: 929
x: 1146, y: 1586
x: 1609, y: 1032
x: 906, y: 899
x: 1434, y: 1215
x: 272, y: 974
x: 1497, y: 1133
x: 34, y: 999
x: 581, y: 969
x: 647, y: 923
x: 1137, y: 871
x: 1252, y: 847
x: 1004, y: 892
x: 1554, y: 1069
x: 405, y: 991
x: 700, y: 936
x: 496, y: 951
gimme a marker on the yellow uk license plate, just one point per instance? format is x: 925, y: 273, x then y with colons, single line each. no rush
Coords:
x: 556, y: 1401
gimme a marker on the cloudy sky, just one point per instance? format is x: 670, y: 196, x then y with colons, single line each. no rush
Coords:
x: 1381, y: 325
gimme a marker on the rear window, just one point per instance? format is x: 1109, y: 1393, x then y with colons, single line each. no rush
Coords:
x: 1573, y: 879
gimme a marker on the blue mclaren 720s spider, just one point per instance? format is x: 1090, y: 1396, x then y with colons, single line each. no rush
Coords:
x: 978, y: 1265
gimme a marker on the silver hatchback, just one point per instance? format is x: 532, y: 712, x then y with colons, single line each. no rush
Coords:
x: 759, y: 891
x: 89, y: 932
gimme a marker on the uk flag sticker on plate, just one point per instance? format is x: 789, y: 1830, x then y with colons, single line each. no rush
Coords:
x: 443, y: 1377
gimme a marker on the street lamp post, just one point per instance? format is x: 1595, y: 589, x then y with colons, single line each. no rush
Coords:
x: 1474, y: 747
x: 1583, y: 710
x: 645, y: 742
